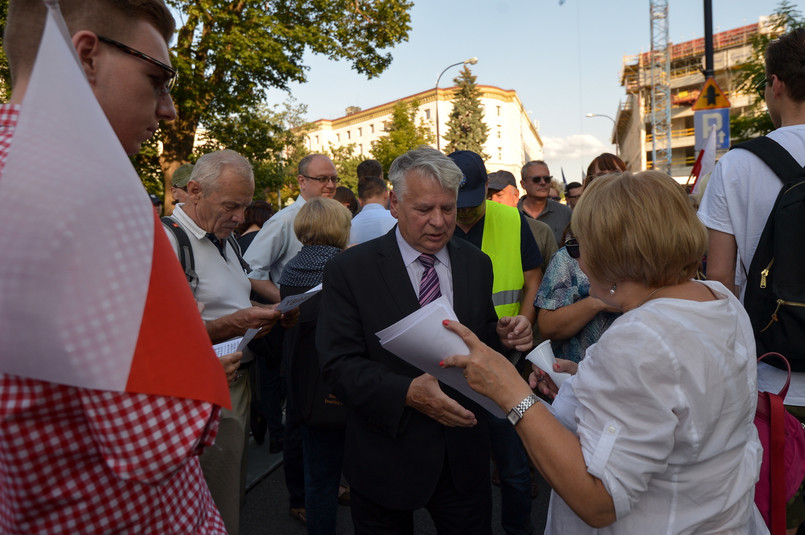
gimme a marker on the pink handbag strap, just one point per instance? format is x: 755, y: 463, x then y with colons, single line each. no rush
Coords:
x: 784, y: 391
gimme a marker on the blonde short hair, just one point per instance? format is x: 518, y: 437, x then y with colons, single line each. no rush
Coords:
x: 638, y: 227
x: 323, y: 221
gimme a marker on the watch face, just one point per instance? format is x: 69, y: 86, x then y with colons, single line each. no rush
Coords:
x: 513, y: 417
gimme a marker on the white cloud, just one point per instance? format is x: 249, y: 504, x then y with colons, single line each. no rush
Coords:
x: 582, y: 147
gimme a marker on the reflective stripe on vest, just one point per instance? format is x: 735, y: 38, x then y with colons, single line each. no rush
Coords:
x: 501, y: 242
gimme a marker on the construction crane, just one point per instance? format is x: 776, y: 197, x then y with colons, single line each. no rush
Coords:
x: 660, y: 58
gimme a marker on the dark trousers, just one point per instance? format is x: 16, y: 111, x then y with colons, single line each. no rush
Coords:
x: 515, y: 477
x: 324, y: 454
x: 292, y: 455
x: 453, y: 513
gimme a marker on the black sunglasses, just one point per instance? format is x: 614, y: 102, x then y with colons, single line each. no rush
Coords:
x: 324, y: 179
x: 538, y: 179
x: 572, y: 246
x: 761, y: 88
x: 172, y: 73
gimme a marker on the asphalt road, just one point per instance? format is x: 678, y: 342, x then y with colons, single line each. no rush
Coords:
x: 265, y: 510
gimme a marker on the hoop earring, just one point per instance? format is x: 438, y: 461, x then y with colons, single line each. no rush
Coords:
x: 612, y: 289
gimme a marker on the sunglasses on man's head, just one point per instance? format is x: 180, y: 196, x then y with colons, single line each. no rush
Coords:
x: 538, y: 179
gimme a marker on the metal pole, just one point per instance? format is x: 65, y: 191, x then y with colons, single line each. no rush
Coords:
x: 709, y: 71
x: 614, y: 128
x: 471, y: 61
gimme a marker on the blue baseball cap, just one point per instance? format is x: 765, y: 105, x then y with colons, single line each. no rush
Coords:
x: 472, y: 190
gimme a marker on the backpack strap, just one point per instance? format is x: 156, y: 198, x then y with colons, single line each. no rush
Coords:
x: 233, y: 242
x: 775, y: 156
x: 185, y: 251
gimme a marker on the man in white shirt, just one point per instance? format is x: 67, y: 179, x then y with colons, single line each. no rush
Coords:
x: 276, y: 243
x: 741, y: 194
x: 220, y: 188
x: 374, y: 219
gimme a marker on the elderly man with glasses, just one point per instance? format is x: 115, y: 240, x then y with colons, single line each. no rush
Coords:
x: 536, y: 181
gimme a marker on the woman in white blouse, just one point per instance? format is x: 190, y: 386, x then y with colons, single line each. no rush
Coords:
x: 654, y: 433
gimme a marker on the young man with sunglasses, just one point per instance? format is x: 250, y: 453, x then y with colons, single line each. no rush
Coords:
x: 536, y: 181
x: 80, y: 460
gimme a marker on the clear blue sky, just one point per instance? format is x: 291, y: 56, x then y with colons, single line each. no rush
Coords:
x: 563, y: 61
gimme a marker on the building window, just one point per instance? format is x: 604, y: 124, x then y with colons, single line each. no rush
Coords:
x: 499, y: 135
x: 360, y: 149
x: 427, y: 115
x: 338, y: 138
x: 498, y: 107
x: 372, y: 128
x: 349, y: 134
x: 360, y: 131
x: 500, y: 153
x: 317, y: 140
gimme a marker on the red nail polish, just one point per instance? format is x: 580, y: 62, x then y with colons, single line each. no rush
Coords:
x: 445, y: 322
x: 441, y: 363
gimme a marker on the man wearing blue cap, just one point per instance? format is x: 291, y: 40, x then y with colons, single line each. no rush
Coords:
x: 503, y: 234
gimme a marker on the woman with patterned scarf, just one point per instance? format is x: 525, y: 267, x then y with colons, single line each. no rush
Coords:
x: 322, y: 225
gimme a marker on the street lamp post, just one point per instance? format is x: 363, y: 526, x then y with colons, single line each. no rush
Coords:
x: 614, y: 127
x: 471, y: 61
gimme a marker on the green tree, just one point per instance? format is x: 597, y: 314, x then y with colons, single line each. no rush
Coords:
x: 466, y: 129
x: 268, y: 137
x: 346, y: 163
x: 756, y: 121
x: 402, y: 134
x: 228, y: 52
x: 5, y: 76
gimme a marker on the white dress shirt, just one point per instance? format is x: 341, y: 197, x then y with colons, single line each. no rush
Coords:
x: 415, y: 268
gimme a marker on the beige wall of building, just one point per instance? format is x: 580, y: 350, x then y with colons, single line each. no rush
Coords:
x: 513, y: 139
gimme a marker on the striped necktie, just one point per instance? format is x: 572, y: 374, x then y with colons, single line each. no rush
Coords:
x: 429, y: 284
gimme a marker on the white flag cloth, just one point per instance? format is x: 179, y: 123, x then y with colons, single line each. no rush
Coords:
x: 708, y: 161
x: 79, y: 297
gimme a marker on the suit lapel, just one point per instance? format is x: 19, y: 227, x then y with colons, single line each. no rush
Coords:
x: 461, y: 279
x: 395, y: 276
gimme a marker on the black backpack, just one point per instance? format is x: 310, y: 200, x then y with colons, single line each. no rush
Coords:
x: 186, y: 258
x: 775, y: 287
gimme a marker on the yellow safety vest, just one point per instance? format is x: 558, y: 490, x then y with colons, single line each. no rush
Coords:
x: 501, y: 242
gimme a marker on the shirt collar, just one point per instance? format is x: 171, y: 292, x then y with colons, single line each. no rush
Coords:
x: 188, y: 223
x: 410, y: 255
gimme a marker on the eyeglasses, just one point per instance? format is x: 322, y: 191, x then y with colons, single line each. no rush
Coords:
x: 543, y: 179
x: 324, y: 179
x: 172, y: 73
x: 572, y: 196
x: 557, y: 199
x: 572, y: 247
x: 761, y: 88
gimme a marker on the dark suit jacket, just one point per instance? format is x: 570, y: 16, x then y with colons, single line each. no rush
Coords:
x: 394, y: 453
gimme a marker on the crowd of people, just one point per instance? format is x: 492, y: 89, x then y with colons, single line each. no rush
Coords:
x: 653, y: 431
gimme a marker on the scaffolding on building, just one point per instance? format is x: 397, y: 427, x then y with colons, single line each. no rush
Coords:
x: 660, y: 86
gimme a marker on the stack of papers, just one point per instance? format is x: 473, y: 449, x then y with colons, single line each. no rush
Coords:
x: 421, y: 340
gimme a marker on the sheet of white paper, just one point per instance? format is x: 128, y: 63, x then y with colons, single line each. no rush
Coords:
x: 293, y: 301
x: 421, y: 340
x: 225, y: 348
x: 250, y: 333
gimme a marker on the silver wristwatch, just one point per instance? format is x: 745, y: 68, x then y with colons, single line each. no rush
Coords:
x: 517, y: 412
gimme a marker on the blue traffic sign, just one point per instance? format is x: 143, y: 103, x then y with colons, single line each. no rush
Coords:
x: 705, y: 120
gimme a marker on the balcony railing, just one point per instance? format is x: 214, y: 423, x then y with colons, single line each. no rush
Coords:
x: 674, y: 134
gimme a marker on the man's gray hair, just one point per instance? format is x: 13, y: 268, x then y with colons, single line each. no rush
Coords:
x: 524, y: 170
x: 210, y: 166
x: 429, y: 162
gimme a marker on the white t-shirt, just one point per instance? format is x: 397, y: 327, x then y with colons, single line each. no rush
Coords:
x: 664, y: 408
x: 738, y: 201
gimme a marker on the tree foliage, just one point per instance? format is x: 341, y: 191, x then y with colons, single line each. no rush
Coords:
x: 346, y: 163
x: 228, y: 52
x: 756, y: 121
x: 402, y: 134
x: 5, y: 75
x: 466, y: 129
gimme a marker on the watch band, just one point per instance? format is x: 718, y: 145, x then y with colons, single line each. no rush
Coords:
x: 518, y: 410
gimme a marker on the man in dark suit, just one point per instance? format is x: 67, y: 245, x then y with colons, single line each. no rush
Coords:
x: 411, y: 442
